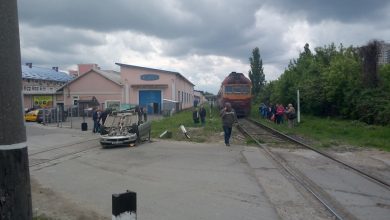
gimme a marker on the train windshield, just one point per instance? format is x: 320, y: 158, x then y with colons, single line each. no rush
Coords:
x: 237, y: 89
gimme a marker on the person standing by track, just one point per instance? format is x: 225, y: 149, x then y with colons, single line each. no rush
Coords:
x: 228, y: 117
x: 202, y: 114
x: 96, y: 118
x: 291, y: 115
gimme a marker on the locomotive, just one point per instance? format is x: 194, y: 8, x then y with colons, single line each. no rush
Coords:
x: 236, y: 89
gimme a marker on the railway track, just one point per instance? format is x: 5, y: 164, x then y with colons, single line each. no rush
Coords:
x: 54, y: 155
x: 313, y: 174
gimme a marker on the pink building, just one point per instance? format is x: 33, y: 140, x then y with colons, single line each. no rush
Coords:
x: 156, y: 90
x: 104, y: 86
x: 152, y: 88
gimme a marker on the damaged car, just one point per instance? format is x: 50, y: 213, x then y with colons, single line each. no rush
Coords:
x: 124, y: 128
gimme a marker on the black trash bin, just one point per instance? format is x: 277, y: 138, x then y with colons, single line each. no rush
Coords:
x: 84, y: 126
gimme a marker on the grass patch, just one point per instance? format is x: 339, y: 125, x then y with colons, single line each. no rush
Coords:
x: 250, y: 141
x: 41, y: 217
x: 197, y: 132
x: 330, y: 132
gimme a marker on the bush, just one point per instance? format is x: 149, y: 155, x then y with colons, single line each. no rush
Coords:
x: 372, y: 107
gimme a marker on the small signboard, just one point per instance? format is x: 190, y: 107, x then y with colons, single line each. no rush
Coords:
x: 43, y: 101
x: 150, y: 77
x: 124, y: 206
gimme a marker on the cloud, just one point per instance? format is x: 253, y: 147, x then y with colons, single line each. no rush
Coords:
x: 204, y: 40
x: 346, y: 11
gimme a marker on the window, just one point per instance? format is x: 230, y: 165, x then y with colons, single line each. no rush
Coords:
x: 35, y: 88
x: 244, y: 89
x: 75, y: 100
x: 228, y: 89
x: 28, y: 88
x: 236, y: 89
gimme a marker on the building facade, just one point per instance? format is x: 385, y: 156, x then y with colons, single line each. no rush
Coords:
x: 199, y: 97
x: 384, y: 54
x: 94, y: 88
x: 40, y: 85
x: 157, y: 91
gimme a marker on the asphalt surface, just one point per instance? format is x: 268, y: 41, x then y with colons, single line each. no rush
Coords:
x: 173, y: 180
x: 181, y: 180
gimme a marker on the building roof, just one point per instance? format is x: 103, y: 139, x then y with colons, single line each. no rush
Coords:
x: 108, y: 74
x: 147, y: 68
x: 111, y: 75
x: 41, y: 73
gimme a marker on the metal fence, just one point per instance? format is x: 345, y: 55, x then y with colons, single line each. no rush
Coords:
x: 68, y: 116
x: 73, y: 116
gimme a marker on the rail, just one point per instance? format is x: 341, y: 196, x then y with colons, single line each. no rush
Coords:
x: 291, y: 139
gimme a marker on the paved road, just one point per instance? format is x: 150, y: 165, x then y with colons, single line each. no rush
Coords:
x: 173, y: 180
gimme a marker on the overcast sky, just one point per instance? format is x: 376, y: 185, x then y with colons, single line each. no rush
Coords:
x: 204, y: 40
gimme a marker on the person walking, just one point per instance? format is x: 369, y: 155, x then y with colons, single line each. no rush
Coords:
x: 228, y: 117
x: 202, y: 114
x: 291, y: 115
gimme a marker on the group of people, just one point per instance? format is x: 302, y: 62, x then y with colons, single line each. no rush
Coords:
x: 278, y: 113
x: 199, y: 114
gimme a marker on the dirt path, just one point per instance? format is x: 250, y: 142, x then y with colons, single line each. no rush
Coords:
x: 51, y: 205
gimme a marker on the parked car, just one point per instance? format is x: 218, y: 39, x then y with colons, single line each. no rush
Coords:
x: 124, y: 129
x: 51, y: 115
x: 31, y: 116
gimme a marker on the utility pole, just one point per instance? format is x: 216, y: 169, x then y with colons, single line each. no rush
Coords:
x: 298, y: 107
x: 15, y: 191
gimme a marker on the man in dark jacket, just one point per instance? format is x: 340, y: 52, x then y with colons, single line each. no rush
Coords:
x: 202, y: 114
x: 228, y: 117
x: 95, y: 118
x: 104, y: 115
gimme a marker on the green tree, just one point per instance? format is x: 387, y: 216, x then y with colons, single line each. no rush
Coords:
x: 331, y: 83
x: 256, y: 74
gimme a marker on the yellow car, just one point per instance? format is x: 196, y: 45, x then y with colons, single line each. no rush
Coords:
x: 31, y: 115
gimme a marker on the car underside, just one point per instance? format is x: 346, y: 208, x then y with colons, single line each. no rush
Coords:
x: 124, y: 129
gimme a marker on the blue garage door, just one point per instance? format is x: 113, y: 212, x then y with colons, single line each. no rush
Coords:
x: 151, y: 100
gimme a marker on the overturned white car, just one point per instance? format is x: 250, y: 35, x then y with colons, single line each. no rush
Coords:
x: 124, y: 129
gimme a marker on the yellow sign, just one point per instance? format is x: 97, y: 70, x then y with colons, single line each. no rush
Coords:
x: 43, y: 101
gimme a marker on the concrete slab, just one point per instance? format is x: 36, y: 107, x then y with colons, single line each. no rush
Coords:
x: 283, y: 194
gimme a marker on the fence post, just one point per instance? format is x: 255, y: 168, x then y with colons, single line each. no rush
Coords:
x: 58, y: 116
x: 124, y: 206
x: 15, y: 191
